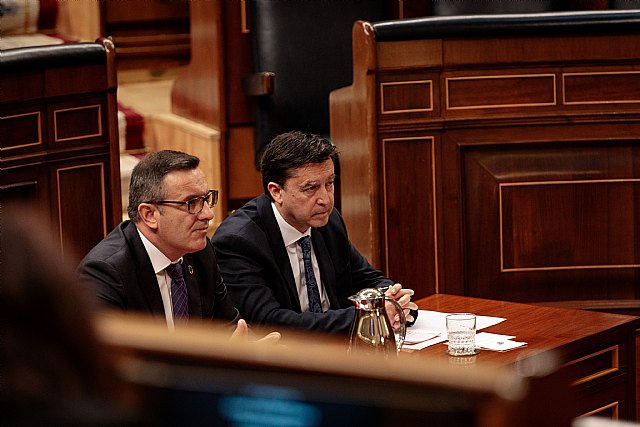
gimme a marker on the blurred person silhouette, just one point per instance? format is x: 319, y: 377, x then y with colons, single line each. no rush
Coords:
x: 53, y: 368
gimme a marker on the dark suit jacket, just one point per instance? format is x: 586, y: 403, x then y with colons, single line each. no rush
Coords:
x: 120, y: 273
x: 255, y: 266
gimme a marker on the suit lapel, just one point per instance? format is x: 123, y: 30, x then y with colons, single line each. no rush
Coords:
x: 327, y: 271
x: 274, y: 236
x: 144, y: 271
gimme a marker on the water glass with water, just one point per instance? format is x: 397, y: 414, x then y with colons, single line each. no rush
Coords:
x: 461, y: 332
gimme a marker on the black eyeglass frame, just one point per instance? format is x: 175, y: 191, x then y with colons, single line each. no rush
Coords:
x: 211, y: 193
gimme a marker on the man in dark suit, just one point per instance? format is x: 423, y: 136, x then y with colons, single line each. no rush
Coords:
x: 161, y: 261
x: 263, y: 252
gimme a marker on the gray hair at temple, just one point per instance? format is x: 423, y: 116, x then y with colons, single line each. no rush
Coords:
x: 148, y: 174
x: 291, y: 150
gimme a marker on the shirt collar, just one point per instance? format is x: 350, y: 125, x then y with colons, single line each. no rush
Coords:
x: 159, y: 261
x: 289, y: 234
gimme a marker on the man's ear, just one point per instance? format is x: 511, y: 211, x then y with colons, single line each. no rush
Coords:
x: 147, y: 213
x: 276, y: 192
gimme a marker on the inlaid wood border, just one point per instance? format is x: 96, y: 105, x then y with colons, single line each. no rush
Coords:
x: 567, y: 267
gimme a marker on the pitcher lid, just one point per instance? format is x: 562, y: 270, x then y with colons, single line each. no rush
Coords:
x: 368, y: 298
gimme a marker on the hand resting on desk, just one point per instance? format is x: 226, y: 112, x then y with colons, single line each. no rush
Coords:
x: 242, y: 333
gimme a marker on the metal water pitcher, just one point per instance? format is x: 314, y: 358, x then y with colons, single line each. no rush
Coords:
x: 372, y: 330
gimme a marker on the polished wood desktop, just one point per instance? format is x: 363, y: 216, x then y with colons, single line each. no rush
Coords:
x: 596, y: 350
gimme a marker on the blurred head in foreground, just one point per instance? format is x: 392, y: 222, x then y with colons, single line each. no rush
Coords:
x: 50, y: 357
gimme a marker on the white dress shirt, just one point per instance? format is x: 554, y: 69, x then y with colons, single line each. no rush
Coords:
x: 159, y: 261
x: 291, y: 236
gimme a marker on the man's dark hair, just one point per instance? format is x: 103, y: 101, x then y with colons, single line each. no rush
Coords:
x: 291, y: 150
x: 148, y: 174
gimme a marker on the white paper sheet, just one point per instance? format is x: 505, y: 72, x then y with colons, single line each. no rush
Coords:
x: 497, y: 342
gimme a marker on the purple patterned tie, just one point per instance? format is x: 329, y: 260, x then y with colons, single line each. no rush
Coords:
x: 312, y: 286
x: 178, y: 291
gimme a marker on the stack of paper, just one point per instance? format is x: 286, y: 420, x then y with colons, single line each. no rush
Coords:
x: 431, y: 328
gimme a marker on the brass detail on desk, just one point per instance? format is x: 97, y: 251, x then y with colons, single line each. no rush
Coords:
x: 6, y: 121
x: 91, y: 198
x: 510, y: 91
x: 614, y: 406
x: 615, y: 364
x: 502, y: 186
x: 431, y: 141
x: 614, y: 87
x: 405, y: 95
x: 77, y: 115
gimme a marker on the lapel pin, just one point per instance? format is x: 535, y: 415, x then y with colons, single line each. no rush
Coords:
x: 190, y: 269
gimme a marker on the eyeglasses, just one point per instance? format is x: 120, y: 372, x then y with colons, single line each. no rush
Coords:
x: 195, y: 205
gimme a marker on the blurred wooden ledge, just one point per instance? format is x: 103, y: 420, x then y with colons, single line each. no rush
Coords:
x: 197, y: 365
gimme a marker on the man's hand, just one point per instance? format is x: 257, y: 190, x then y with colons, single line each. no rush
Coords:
x: 242, y: 330
x: 242, y: 333
x: 402, y: 297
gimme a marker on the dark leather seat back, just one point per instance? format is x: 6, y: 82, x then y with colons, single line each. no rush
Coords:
x: 40, y: 57
x: 552, y: 23
x: 624, y: 4
x: 490, y: 7
x: 307, y: 45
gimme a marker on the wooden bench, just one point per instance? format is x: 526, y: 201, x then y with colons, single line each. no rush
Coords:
x: 496, y: 156
x: 59, y: 150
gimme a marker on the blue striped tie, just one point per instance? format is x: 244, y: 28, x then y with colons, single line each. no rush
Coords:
x: 178, y: 291
x: 312, y: 286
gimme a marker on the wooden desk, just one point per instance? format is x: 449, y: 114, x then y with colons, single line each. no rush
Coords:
x: 597, y: 350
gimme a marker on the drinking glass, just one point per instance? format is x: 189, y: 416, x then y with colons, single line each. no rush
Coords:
x: 461, y: 332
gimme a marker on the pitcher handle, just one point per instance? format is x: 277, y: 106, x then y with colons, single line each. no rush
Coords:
x: 403, y: 324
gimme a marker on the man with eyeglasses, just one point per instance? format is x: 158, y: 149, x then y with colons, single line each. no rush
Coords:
x: 161, y: 261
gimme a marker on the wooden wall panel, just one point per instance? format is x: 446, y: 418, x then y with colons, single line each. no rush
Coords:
x: 552, y: 225
x: 21, y: 131
x: 406, y: 96
x: 77, y: 123
x: 495, y: 91
x: 413, y: 230
x: 562, y: 217
x: 80, y: 188
x: 601, y: 87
